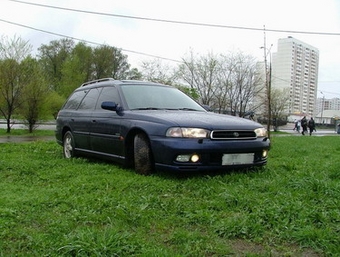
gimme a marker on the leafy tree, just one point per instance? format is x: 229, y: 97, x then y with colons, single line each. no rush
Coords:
x: 189, y: 91
x: 76, y: 69
x: 134, y: 74
x: 33, y: 99
x: 12, y: 53
x: 67, y: 65
x: 53, y: 57
x: 109, y: 62
x: 54, y: 102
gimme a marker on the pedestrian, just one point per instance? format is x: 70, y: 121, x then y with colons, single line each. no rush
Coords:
x: 304, y: 125
x: 311, y: 126
x: 298, y: 126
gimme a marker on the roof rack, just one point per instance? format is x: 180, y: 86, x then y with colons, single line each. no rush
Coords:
x: 96, y: 81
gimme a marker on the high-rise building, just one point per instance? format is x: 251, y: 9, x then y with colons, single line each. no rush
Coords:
x: 295, y: 66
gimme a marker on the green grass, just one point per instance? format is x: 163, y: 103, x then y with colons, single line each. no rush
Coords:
x: 50, y: 206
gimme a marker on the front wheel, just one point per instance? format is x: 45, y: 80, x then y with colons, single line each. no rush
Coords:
x: 142, y: 155
x: 68, y: 145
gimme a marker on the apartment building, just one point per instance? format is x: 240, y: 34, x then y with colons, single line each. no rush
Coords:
x: 295, y: 66
x: 324, y: 104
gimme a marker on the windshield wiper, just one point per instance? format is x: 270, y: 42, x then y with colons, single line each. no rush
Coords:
x: 147, y: 108
x: 171, y: 109
x: 187, y: 109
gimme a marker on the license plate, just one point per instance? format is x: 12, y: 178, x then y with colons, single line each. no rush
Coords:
x: 237, y: 159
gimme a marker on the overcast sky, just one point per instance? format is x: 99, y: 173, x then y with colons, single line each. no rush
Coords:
x: 142, y: 34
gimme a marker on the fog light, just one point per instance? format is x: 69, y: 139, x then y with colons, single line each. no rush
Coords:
x: 264, y: 153
x: 194, y: 158
x: 183, y: 158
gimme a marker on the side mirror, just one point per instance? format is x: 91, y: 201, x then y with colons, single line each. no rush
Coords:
x: 111, y: 106
x: 207, y: 108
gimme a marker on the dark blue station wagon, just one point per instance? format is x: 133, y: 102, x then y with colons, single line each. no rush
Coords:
x: 149, y: 126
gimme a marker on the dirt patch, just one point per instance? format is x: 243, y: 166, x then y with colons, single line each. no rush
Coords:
x: 243, y: 248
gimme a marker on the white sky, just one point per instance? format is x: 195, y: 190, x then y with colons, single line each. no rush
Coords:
x: 174, y: 41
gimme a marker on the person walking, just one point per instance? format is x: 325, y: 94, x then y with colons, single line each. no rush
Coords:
x: 304, y: 125
x: 311, y: 126
x: 298, y: 126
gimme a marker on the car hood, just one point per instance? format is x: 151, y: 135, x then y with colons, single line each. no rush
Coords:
x: 207, y: 120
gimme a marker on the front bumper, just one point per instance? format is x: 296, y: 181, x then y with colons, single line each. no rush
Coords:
x: 210, y: 152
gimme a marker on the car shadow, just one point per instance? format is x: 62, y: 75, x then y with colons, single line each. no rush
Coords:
x: 176, y: 175
x: 195, y: 174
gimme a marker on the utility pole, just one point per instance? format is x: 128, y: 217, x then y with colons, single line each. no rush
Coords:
x: 268, y: 81
x: 322, y: 107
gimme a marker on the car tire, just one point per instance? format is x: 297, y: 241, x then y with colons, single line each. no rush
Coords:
x: 68, y: 145
x: 142, y: 155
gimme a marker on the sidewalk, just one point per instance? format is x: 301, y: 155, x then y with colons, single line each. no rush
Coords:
x: 319, y: 132
x: 21, y: 139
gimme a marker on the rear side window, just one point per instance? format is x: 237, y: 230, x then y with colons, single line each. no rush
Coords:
x: 74, y: 100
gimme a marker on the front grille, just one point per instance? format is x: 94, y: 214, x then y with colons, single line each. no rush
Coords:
x: 232, y: 134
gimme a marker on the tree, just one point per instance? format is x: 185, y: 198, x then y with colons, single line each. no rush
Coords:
x: 53, y: 57
x: 54, y: 102
x: 134, y: 74
x: 33, y: 99
x: 109, y: 62
x: 12, y: 53
x: 227, y: 83
x: 76, y: 69
x: 224, y: 85
x: 200, y: 74
x: 159, y: 72
x: 279, y: 105
x: 242, y: 83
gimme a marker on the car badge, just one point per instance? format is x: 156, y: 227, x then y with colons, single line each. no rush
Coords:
x: 236, y: 134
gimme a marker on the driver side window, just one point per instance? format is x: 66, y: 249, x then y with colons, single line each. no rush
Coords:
x: 108, y: 94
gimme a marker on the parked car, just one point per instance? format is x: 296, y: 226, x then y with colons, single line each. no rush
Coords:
x: 150, y: 126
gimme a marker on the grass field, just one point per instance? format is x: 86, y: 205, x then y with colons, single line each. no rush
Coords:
x: 50, y: 206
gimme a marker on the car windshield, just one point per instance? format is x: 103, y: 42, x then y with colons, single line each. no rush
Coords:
x: 153, y: 97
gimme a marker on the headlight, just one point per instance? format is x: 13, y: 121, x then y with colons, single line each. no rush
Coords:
x: 187, y: 132
x: 261, y: 132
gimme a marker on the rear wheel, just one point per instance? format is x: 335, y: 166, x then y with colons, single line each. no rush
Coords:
x: 142, y: 155
x: 68, y: 145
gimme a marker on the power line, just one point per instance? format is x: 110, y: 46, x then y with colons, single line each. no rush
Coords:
x: 86, y: 41
x: 178, y: 22
x: 125, y: 50
x: 148, y: 19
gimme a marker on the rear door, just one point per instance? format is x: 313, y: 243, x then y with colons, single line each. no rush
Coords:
x: 81, y: 118
x: 105, y: 128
